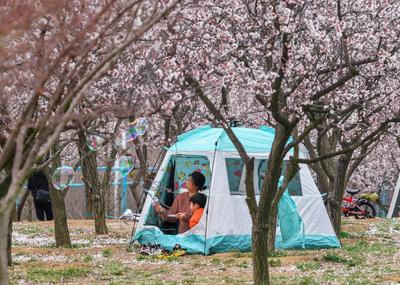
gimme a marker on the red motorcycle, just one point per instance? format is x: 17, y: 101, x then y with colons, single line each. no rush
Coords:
x: 359, y: 208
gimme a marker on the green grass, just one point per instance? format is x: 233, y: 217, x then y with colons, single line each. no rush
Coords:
x: 186, y: 273
x: 308, y: 280
x: 80, y: 245
x: 130, y: 249
x: 43, y: 275
x: 161, y: 271
x: 274, y: 262
x: 88, y: 258
x: 146, y: 258
x: 189, y: 280
x: 154, y: 282
x: 307, y: 266
x: 117, y: 282
x: 242, y: 254
x: 114, y: 268
x: 294, y: 280
x: 366, y: 257
x: 329, y: 277
x: 107, y: 252
x: 74, y: 245
x: 30, y: 230
x: 229, y: 280
x: 244, y: 264
x: 331, y: 257
x: 279, y: 253
x: 357, y: 278
x: 215, y: 261
x: 344, y: 234
x: 169, y: 258
x: 363, y: 247
x: 229, y: 261
x: 50, y: 245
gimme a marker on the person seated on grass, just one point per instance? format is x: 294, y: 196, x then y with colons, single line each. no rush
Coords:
x: 197, y: 204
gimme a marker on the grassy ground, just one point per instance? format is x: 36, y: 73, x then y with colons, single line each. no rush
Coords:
x: 370, y: 255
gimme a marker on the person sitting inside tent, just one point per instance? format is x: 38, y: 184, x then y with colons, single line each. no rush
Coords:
x: 180, y: 209
x: 197, y: 204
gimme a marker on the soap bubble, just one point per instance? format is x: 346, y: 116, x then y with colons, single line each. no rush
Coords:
x: 63, y: 177
x: 132, y: 132
x: 140, y: 125
x: 95, y: 142
x: 125, y: 137
x: 123, y: 140
x: 123, y: 166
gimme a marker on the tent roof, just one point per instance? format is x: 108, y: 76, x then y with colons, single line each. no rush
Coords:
x: 206, y: 138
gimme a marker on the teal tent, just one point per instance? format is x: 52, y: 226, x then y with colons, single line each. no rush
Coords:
x: 226, y: 223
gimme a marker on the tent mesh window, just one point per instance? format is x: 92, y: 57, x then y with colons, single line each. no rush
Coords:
x: 235, y: 168
x: 294, y: 187
x: 187, y: 164
x: 236, y: 177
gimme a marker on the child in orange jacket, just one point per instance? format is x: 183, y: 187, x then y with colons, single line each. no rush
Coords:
x: 197, y: 204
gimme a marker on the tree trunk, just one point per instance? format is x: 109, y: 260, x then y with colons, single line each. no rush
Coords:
x: 57, y: 197
x: 260, y: 255
x: 334, y: 209
x: 29, y: 204
x: 269, y: 195
x: 61, y: 230
x: 100, y: 214
x: 4, y: 235
x: 272, y: 229
x: 9, y: 241
x: 87, y: 158
x: 334, y: 206
x: 21, y: 204
x: 89, y: 211
x: 94, y: 191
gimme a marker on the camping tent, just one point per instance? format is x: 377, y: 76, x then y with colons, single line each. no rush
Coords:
x: 226, y: 223
x: 394, y: 209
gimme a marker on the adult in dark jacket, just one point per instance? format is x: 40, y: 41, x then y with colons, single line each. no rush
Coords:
x: 39, y: 187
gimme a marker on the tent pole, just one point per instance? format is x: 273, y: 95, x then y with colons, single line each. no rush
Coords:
x: 209, y: 194
x: 131, y: 240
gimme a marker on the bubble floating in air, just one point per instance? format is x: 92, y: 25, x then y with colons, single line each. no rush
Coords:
x: 63, y: 177
x: 123, y: 140
x: 132, y: 132
x: 140, y: 126
x: 95, y: 142
x: 126, y: 136
x: 123, y: 166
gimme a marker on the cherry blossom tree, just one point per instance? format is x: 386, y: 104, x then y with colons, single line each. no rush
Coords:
x: 302, y: 63
x: 48, y: 66
x: 359, y: 129
x: 381, y: 167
